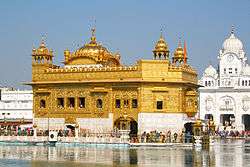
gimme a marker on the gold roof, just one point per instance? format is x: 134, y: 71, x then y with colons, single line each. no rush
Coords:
x: 93, y: 51
x: 161, y: 45
x: 42, y: 50
x: 179, y: 51
x: 93, y: 46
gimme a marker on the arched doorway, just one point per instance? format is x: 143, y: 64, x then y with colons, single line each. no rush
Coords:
x: 188, y: 132
x: 227, y: 119
x: 133, y: 128
x: 246, y: 121
x: 188, y: 128
x: 209, y: 117
x: 127, y: 124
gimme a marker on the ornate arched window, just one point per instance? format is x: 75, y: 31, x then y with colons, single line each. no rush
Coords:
x: 227, y: 103
x: 245, y: 103
x: 190, y: 102
x: 42, y: 103
x: 99, y: 103
x: 209, y: 103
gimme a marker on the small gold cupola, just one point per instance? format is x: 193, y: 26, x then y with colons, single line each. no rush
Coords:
x: 42, y: 55
x: 161, y: 50
x: 178, y: 54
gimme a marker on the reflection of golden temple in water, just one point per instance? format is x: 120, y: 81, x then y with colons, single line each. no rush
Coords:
x: 234, y: 154
x: 94, y: 90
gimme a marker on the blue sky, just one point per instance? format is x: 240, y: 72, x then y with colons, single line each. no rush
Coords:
x: 131, y: 27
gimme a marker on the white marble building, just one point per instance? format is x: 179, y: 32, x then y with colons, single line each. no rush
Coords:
x: 225, y: 97
x: 16, y: 106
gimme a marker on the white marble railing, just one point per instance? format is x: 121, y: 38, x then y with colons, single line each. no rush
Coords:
x: 24, y: 138
x: 61, y: 139
x: 90, y: 139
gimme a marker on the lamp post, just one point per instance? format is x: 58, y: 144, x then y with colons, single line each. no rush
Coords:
x: 34, y: 129
x: 211, y: 131
x: 125, y: 116
x: 77, y: 131
x: 48, y: 124
x: 124, y: 131
x: 197, y: 128
x: 5, y: 130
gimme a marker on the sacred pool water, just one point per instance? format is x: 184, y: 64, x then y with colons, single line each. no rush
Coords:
x: 226, y: 153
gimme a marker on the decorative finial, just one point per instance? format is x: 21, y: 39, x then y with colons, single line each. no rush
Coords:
x: 232, y: 30
x: 93, y: 29
x: 93, y: 38
x: 93, y: 20
x: 161, y: 32
x: 179, y: 43
x: 43, y: 40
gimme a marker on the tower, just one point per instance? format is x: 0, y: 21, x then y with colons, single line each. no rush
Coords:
x: 179, y: 55
x: 41, y: 58
x: 231, y: 57
x: 161, y: 50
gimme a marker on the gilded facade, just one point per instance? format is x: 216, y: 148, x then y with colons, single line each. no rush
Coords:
x: 95, y: 91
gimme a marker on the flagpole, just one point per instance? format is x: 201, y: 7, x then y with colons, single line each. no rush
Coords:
x: 185, y: 52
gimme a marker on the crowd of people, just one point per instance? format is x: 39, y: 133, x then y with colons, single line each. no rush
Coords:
x: 160, y: 137
x: 67, y: 132
x: 146, y: 137
x: 232, y: 133
x: 16, y: 131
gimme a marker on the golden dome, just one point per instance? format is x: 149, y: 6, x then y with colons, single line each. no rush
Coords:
x: 179, y: 52
x: 42, y: 50
x: 161, y: 49
x: 92, y: 47
x: 161, y: 45
x: 91, y: 53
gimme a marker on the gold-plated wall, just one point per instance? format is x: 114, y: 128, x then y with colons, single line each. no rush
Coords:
x: 157, y: 86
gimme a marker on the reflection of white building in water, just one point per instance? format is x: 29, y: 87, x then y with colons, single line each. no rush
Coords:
x: 15, y: 106
x: 225, y: 97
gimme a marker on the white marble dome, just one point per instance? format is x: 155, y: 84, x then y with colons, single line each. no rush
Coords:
x: 210, y: 71
x: 232, y: 44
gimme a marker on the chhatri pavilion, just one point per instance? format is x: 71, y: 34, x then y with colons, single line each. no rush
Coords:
x: 94, y: 91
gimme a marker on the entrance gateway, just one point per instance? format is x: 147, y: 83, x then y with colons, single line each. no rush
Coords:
x: 127, y: 124
x: 227, y: 119
x: 246, y: 121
